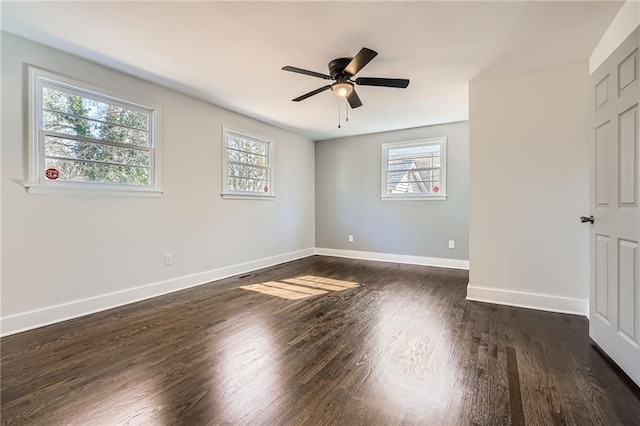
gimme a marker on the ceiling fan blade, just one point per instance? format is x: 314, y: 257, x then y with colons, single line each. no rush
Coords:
x: 307, y: 72
x: 358, y: 62
x: 400, y: 83
x: 354, y: 100
x: 314, y: 92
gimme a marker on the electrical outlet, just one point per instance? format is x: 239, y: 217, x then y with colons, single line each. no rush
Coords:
x: 168, y: 259
x: 350, y: 238
x: 277, y: 242
x: 451, y: 244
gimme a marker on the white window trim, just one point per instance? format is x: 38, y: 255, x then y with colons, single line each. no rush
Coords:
x: 441, y: 196
x: 37, y: 184
x: 243, y: 195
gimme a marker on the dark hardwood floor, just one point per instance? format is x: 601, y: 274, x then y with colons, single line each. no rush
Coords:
x: 402, y: 347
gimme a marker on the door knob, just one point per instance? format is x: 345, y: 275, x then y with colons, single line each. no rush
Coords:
x: 585, y: 219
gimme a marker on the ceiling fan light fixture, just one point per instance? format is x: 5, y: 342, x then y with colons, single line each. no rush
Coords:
x: 342, y: 88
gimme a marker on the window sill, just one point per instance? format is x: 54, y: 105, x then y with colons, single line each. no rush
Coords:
x: 441, y: 197
x: 228, y: 196
x: 92, y: 191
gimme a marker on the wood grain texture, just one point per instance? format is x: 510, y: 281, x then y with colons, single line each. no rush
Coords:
x: 515, y: 395
x: 403, y: 347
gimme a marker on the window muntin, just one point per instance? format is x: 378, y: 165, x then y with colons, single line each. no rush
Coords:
x: 247, y: 168
x: 412, y: 170
x: 93, y: 140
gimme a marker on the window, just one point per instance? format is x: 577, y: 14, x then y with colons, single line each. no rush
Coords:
x: 247, y: 165
x: 414, y: 170
x: 84, y: 140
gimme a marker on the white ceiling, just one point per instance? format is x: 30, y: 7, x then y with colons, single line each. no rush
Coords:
x: 230, y: 53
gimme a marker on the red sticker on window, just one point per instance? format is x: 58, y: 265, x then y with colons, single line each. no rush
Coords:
x: 266, y: 189
x: 436, y: 189
x: 52, y: 173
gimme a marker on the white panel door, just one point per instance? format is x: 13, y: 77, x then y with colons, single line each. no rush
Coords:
x: 614, y: 282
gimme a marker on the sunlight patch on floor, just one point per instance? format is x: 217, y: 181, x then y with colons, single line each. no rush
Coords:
x: 300, y: 287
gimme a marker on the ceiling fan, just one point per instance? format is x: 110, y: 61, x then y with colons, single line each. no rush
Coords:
x: 342, y: 70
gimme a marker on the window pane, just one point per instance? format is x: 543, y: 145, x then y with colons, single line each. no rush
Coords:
x: 247, y: 172
x: 246, y: 158
x: 414, y: 168
x: 414, y: 175
x: 413, y: 152
x: 58, y: 100
x: 247, y: 185
x: 415, y: 163
x: 73, y: 149
x: 247, y: 164
x: 83, y: 171
x: 70, y: 125
x: 410, y: 188
x: 247, y: 145
x: 414, y: 157
x: 435, y: 161
x: 246, y: 178
x: 413, y: 181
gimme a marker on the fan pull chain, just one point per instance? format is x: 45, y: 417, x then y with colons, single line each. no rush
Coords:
x: 346, y: 107
x: 338, y: 115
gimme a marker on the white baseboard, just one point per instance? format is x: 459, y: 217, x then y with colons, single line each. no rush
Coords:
x: 542, y: 302
x: 53, y: 314
x: 395, y: 258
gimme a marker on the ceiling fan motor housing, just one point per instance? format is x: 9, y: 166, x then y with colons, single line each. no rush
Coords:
x: 337, y: 66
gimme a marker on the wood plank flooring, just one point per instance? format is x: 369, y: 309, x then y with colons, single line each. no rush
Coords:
x: 401, y: 347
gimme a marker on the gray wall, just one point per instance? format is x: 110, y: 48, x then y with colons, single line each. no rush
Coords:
x: 348, y: 174
x: 111, y: 245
